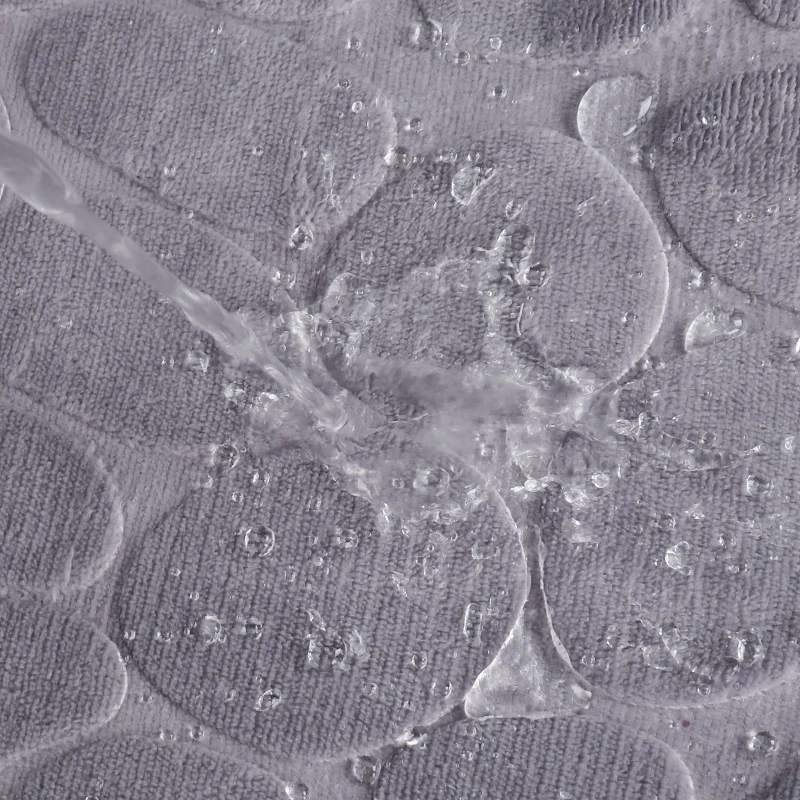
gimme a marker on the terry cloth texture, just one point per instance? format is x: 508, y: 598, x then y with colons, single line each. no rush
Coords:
x: 552, y: 277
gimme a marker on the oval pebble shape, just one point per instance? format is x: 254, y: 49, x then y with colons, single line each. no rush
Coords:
x: 536, y: 217
x: 723, y: 169
x: 226, y: 123
x: 134, y: 768
x: 60, y: 520
x: 328, y: 633
x: 684, y: 564
x: 59, y: 676
x: 563, y: 758
x: 78, y: 326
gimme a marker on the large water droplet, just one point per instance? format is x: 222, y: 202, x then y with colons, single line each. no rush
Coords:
x: 209, y: 630
x: 678, y: 556
x: 197, y: 361
x: 613, y: 108
x: 757, y: 486
x: 746, y: 647
x: 713, y: 326
x: 761, y: 743
x: 225, y: 456
x: 467, y: 182
x: 268, y: 700
x: 259, y: 540
x: 365, y: 769
x: 296, y: 791
x: 302, y: 238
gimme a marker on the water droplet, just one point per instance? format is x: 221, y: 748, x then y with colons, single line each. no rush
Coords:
x: 225, y: 456
x: 345, y: 538
x: 268, y: 700
x: 666, y: 522
x: 166, y: 736
x: 419, y: 660
x: 757, y: 486
x: 257, y: 150
x: 495, y: 42
x: 164, y: 637
x: 230, y: 695
x: 129, y: 635
x: 789, y: 444
x: 296, y: 791
x: 259, y: 540
x: 472, y: 626
x: 209, y: 630
x: 761, y: 743
x: 601, y: 479
x: 146, y: 696
x: 353, y: 43
x: 467, y: 182
x: 197, y: 733
x: 302, y: 237
x: 414, y: 125
x: 170, y: 170
x: 197, y: 361
x: 746, y: 647
x: 498, y: 92
x: 357, y: 107
x: 613, y: 108
x: 713, y: 326
x: 677, y: 558
x: 461, y: 58
x: 365, y: 769
x: 441, y: 689
x: 433, y: 481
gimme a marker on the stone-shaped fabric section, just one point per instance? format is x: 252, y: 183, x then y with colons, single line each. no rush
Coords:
x: 59, y: 676
x: 560, y: 758
x: 781, y: 13
x: 279, y: 10
x: 84, y: 335
x: 530, y: 221
x: 673, y: 584
x: 548, y: 27
x: 273, y: 608
x: 249, y: 131
x: 137, y: 767
x: 60, y: 520
x: 724, y: 169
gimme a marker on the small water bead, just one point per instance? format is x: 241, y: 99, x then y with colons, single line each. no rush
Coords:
x: 472, y: 626
x: 197, y: 733
x: 302, y: 238
x: 357, y: 107
x: 268, y: 700
x: 441, y: 689
x: 757, y: 486
x: 209, y: 630
x: 713, y: 326
x: 434, y: 481
x: 225, y: 456
x: 677, y: 558
x: 146, y: 696
x: 789, y: 444
x: 419, y: 660
x: 163, y: 637
x: 353, y: 43
x: 414, y: 125
x: 234, y: 393
x: 498, y: 92
x: 461, y: 58
x: 365, y: 770
x: 166, y: 736
x: 345, y: 538
x: 761, y: 743
x: 259, y: 540
x: 129, y: 635
x: 252, y: 626
x: 296, y: 791
x: 197, y: 361
x: 230, y: 695
x: 601, y: 480
x: 495, y: 42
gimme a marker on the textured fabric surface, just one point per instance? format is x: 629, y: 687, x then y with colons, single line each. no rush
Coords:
x: 280, y: 615
x: 685, y: 561
x: 134, y: 768
x: 59, y: 524
x: 545, y: 27
x: 59, y: 676
x: 727, y: 173
x: 781, y: 13
x: 543, y: 254
x: 553, y: 758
